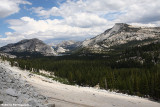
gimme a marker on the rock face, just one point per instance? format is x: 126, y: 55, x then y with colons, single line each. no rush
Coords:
x: 29, y: 45
x: 121, y: 33
x: 66, y: 46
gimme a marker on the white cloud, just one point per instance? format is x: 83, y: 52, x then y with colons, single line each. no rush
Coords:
x: 129, y: 11
x: 54, y: 11
x: 9, y: 7
x: 141, y: 24
x: 85, y: 20
x: 142, y: 11
x: 92, y: 6
x: 8, y: 33
x: 27, y: 27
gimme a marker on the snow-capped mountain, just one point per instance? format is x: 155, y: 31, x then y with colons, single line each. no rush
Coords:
x: 66, y: 46
x: 29, y: 45
x: 119, y: 34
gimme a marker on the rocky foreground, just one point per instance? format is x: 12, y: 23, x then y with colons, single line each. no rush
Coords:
x: 15, y: 91
x: 26, y: 89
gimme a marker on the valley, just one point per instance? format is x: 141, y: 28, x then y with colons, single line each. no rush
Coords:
x: 70, y: 96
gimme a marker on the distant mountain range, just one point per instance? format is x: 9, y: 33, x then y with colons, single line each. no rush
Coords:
x: 121, y: 35
x: 67, y: 46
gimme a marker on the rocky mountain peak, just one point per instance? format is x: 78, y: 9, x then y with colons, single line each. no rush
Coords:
x: 121, y: 33
x: 29, y: 45
x: 122, y: 27
x: 119, y: 26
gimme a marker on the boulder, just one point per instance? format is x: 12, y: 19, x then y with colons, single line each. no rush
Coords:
x: 12, y: 92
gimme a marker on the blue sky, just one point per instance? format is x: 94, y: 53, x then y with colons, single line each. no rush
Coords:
x: 24, y: 11
x: 57, y: 20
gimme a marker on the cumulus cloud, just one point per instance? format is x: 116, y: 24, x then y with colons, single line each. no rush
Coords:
x: 54, y: 11
x: 45, y: 29
x: 9, y: 7
x: 133, y: 11
x: 142, y: 11
x: 85, y: 20
x: 91, y: 6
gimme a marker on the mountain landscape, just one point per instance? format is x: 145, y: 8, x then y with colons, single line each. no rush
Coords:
x: 79, y: 53
x: 124, y: 59
x: 121, y: 35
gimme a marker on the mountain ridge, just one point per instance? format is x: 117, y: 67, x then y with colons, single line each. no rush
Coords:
x: 29, y: 45
x: 120, y: 33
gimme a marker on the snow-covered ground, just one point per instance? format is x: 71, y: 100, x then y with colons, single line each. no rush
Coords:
x: 74, y: 96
